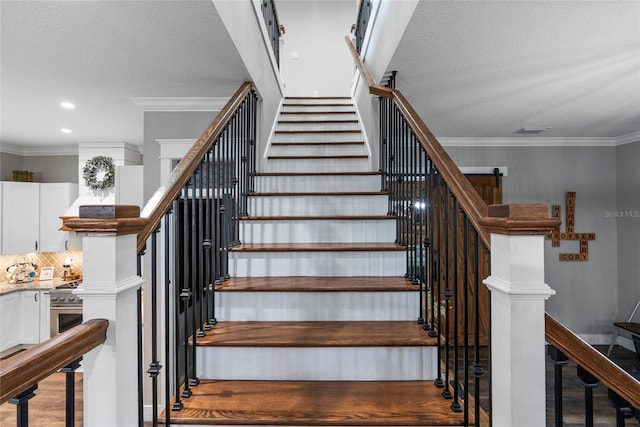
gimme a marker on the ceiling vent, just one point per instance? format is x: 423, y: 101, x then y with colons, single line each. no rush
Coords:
x: 532, y: 130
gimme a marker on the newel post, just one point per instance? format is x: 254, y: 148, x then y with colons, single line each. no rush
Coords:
x: 518, y: 294
x: 108, y: 291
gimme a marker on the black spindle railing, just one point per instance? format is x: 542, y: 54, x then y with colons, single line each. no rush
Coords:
x: 274, y: 28
x: 364, y: 13
x: 200, y: 226
x: 445, y: 259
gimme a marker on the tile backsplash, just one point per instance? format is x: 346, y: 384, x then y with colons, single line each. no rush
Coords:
x: 41, y: 259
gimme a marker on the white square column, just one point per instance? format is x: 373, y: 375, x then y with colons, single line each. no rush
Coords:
x: 518, y: 294
x: 109, y: 291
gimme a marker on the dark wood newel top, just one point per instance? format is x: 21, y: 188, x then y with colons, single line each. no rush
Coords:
x: 519, y: 219
x: 107, y: 219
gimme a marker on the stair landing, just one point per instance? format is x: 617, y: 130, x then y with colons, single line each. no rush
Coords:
x: 316, y: 403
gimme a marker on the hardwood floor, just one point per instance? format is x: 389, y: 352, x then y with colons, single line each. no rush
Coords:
x: 47, y: 409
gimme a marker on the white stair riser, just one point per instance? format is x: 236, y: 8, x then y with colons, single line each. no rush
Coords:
x: 319, y: 101
x: 324, y: 264
x: 318, y: 364
x: 318, y: 183
x: 358, y: 149
x: 317, y: 137
x: 317, y: 165
x: 317, y: 231
x: 317, y: 108
x: 318, y: 117
x: 316, y: 306
x: 316, y: 126
x: 295, y: 205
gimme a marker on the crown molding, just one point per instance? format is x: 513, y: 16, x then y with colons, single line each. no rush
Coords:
x: 18, y: 150
x: 628, y: 138
x: 528, y: 142
x: 180, y: 103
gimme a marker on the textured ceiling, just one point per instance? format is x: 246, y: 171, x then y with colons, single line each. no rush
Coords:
x: 471, y: 68
x: 99, y: 54
x: 490, y: 68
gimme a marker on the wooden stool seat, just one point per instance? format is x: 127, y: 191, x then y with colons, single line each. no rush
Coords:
x: 628, y: 327
x: 631, y: 327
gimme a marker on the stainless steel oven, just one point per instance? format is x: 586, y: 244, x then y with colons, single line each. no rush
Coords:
x: 66, y: 308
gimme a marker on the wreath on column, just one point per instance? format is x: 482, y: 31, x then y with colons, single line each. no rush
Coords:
x: 99, y: 173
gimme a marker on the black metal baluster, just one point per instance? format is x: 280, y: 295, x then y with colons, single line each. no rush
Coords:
x: 465, y: 316
x: 623, y: 408
x: 559, y: 360
x: 438, y: 273
x: 431, y: 245
x: 478, y: 370
x: 589, y: 382
x: 455, y: 405
x: 154, y: 366
x: 167, y: 315
x: 446, y: 393
x: 206, y: 244
x: 140, y: 336
x: 200, y: 285
x: 70, y: 392
x: 178, y: 300
x: 22, y: 405
x: 193, y: 283
x: 185, y: 294
x: 420, y: 222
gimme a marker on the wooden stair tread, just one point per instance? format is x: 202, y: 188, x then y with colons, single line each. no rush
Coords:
x: 320, y: 122
x: 329, y: 403
x: 330, y: 143
x: 350, y: 156
x: 320, y: 131
x: 317, y: 247
x: 316, y: 97
x: 301, y: 174
x: 320, y: 104
x: 317, y: 334
x: 317, y: 284
x: 319, y: 218
x: 319, y: 112
x: 318, y: 193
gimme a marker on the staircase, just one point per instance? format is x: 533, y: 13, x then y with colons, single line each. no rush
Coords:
x: 317, y: 324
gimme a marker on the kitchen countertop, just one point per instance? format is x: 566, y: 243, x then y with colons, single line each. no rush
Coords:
x: 7, y: 288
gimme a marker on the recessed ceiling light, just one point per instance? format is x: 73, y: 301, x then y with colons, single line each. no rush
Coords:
x: 65, y: 130
x: 68, y: 105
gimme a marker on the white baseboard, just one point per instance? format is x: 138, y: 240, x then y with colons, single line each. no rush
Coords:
x: 605, y: 339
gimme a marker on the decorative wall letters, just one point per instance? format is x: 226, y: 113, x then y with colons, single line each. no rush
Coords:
x: 556, y: 235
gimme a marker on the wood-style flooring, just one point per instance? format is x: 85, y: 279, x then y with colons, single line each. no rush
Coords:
x: 47, y: 409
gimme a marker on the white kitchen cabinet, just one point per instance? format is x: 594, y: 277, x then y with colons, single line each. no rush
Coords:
x: 9, y: 320
x: 20, y: 217
x: 30, y: 317
x: 31, y: 216
x: 45, y: 318
x: 55, y: 199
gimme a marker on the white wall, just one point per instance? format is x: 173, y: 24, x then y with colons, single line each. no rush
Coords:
x: 587, y: 292
x: 245, y: 25
x: 386, y: 26
x: 315, y: 31
x: 627, y: 217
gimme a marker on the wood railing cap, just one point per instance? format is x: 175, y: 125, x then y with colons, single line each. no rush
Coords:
x: 19, y: 372
x: 519, y: 219
x: 106, y: 219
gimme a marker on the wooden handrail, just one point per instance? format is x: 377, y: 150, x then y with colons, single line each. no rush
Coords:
x: 31, y: 366
x: 467, y: 196
x: 162, y: 199
x: 593, y: 361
